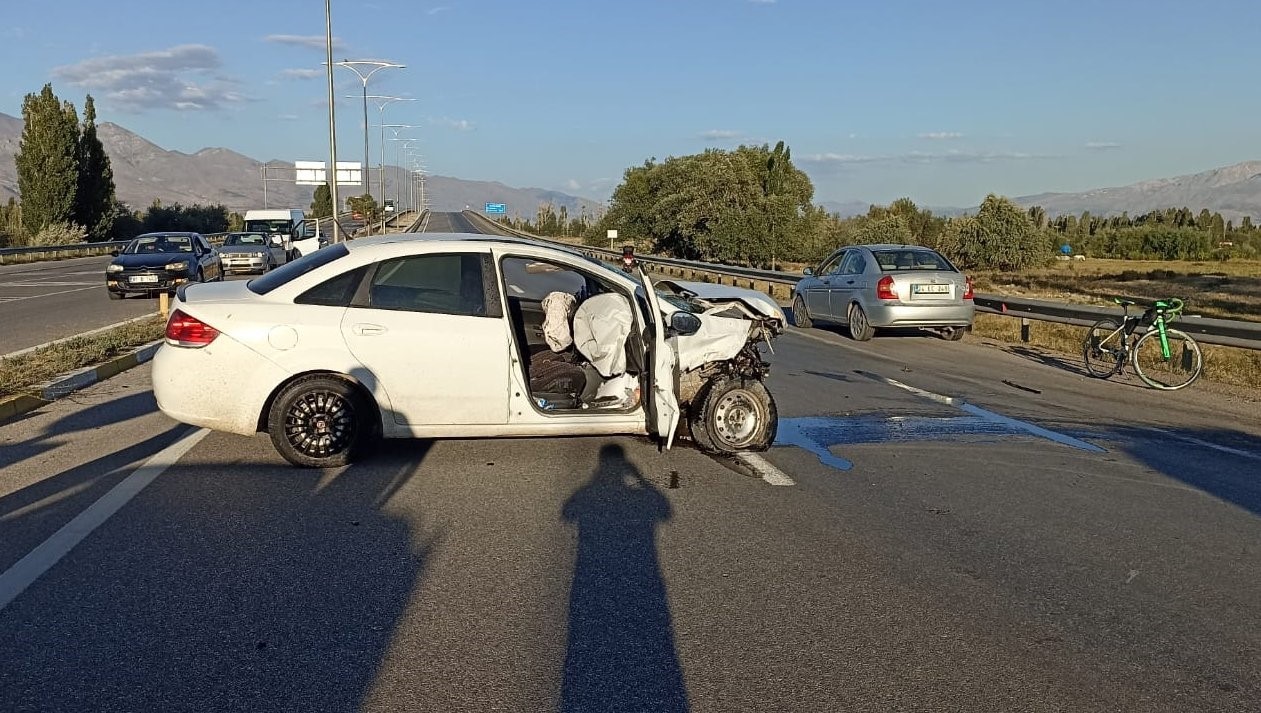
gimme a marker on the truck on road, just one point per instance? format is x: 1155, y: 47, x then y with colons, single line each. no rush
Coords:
x: 301, y: 235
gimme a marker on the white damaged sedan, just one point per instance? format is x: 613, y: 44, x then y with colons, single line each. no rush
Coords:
x: 462, y: 335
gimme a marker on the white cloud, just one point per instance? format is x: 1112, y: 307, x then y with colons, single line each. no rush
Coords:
x: 315, y: 42
x: 302, y: 73
x: 288, y: 117
x: 1102, y: 145
x: 457, y: 124
x: 436, y: 10
x: 941, y: 135
x: 837, y: 160
x: 573, y: 185
x: 180, y: 78
x: 720, y: 135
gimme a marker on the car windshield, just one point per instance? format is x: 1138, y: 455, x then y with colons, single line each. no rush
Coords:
x: 270, y: 227
x: 246, y: 239
x: 906, y: 260
x: 159, y: 244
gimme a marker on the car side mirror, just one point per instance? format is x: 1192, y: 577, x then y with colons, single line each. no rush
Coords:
x: 685, y: 323
x: 808, y: 271
x: 114, y: 253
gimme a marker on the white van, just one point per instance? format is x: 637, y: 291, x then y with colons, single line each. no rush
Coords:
x: 301, y: 235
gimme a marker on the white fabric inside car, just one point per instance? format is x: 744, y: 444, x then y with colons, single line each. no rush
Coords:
x: 601, y: 325
x: 558, y: 307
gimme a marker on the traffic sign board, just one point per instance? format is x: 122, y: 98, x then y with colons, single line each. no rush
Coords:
x: 496, y: 208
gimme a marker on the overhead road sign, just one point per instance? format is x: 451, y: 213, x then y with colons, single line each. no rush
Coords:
x: 499, y: 208
x: 315, y: 173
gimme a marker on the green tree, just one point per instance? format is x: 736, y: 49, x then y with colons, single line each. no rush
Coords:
x: 48, y: 161
x: 365, y: 205
x: 322, y: 205
x: 1000, y: 236
x: 95, y: 209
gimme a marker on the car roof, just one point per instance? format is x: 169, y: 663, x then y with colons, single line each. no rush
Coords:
x: 892, y: 246
x: 500, y: 240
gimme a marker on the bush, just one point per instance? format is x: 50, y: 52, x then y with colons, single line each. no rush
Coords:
x: 60, y: 234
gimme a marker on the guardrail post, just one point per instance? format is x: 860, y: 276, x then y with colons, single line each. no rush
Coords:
x: 164, y: 304
x: 1024, y: 330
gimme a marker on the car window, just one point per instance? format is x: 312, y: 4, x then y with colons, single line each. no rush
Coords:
x: 531, y: 279
x: 159, y: 244
x: 832, y: 263
x: 248, y: 239
x: 906, y: 260
x: 292, y: 270
x: 853, y: 264
x: 443, y: 284
x: 334, y: 292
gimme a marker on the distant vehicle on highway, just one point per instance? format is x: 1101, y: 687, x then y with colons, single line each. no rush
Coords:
x: 156, y: 262
x: 252, y: 252
x: 869, y: 287
x: 457, y: 335
x: 301, y: 236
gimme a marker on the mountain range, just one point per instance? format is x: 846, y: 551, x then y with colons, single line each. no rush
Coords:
x: 144, y: 172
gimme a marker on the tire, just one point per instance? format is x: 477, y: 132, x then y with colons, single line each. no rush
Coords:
x: 734, y: 415
x: 115, y: 295
x: 1102, y: 359
x: 801, y: 317
x: 320, y: 422
x: 1183, y: 366
x: 953, y: 334
x: 859, y: 328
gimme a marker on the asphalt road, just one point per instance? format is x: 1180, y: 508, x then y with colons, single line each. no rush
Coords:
x: 930, y: 555
x: 43, y: 301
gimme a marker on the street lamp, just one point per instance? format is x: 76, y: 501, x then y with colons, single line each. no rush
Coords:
x: 364, y: 69
x: 407, y: 142
x: 332, y: 118
x: 382, y: 102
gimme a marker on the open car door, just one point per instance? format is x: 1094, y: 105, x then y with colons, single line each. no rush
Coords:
x: 663, y: 406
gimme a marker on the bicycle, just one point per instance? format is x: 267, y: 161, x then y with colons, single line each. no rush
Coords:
x: 1162, y: 357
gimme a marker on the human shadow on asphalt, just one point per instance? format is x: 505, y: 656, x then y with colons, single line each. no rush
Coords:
x: 621, y: 653
x: 235, y: 582
x: 1220, y: 462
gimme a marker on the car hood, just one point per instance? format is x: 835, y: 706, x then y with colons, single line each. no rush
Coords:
x: 153, y: 259
x: 760, y: 303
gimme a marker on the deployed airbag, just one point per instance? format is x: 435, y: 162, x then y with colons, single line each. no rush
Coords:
x: 601, y: 325
x: 557, y: 308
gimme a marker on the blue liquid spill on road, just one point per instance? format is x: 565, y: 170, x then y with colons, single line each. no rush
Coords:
x: 820, y: 434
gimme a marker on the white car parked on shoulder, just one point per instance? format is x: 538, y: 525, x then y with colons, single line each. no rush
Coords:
x: 460, y: 335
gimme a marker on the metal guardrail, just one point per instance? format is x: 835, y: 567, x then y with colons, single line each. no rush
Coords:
x: 1222, y: 332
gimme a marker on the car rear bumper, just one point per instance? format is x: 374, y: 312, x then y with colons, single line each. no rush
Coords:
x: 909, y: 315
x: 192, y: 387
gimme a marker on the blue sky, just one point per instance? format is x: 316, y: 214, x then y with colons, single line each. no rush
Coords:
x: 940, y: 101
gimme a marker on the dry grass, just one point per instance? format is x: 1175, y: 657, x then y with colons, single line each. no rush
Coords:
x: 20, y: 373
x: 1225, y: 290
x: 1224, y: 365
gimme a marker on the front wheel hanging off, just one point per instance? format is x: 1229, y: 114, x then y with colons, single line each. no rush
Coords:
x: 1183, y: 365
x: 1102, y: 349
x: 734, y: 415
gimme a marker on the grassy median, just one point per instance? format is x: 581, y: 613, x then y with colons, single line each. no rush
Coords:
x: 20, y: 373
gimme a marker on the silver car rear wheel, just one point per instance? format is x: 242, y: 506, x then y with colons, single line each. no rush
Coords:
x: 859, y: 328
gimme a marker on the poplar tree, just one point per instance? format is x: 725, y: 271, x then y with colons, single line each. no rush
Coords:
x: 48, y: 161
x: 96, y: 180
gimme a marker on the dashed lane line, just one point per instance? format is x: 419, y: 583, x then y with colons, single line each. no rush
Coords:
x: 22, y: 574
x: 763, y: 468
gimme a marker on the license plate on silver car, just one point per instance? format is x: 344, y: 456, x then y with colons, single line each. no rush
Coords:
x: 142, y: 279
x: 930, y: 289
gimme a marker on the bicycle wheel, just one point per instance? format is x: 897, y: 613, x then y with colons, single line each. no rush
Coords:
x: 1102, y: 349
x: 1181, y: 368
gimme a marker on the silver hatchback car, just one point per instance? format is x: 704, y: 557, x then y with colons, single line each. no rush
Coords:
x: 872, y: 286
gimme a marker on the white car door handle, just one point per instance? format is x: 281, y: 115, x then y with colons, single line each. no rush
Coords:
x: 367, y: 330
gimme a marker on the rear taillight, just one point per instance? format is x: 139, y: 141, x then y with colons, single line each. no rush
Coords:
x: 185, y: 331
x: 967, y: 288
x: 885, y: 289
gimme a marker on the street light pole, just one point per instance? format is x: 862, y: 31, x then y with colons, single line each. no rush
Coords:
x: 364, y: 69
x: 332, y: 118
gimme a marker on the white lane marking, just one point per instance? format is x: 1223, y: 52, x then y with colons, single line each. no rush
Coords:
x: 1208, y: 444
x: 48, y: 294
x: 763, y: 467
x: 22, y: 574
x: 993, y: 417
x: 50, y: 283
